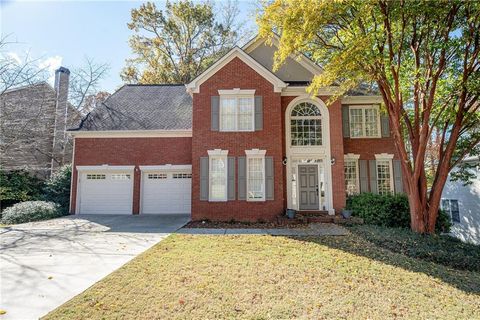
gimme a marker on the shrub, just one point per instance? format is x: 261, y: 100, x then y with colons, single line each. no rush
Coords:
x: 30, y: 211
x: 388, y: 210
x: 57, y: 188
x: 17, y: 186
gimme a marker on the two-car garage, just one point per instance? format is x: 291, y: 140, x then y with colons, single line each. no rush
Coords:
x: 163, y: 189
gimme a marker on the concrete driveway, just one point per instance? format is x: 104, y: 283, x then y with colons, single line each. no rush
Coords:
x: 44, y: 264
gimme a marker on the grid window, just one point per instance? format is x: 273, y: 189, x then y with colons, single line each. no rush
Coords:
x: 306, y: 125
x: 256, y: 178
x: 120, y: 176
x: 237, y: 113
x: 96, y: 177
x: 451, y: 207
x: 384, y: 181
x: 351, y: 186
x: 218, y: 178
x: 157, y: 176
x: 182, y: 176
x: 364, y: 122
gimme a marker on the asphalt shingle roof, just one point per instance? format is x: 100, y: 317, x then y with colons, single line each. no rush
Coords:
x: 142, y: 107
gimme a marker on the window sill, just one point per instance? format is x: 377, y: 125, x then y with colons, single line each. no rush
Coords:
x: 375, y: 137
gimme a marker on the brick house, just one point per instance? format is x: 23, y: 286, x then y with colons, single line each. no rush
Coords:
x: 33, y: 124
x: 241, y: 141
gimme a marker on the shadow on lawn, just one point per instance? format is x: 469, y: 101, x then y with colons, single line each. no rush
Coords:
x: 441, y: 257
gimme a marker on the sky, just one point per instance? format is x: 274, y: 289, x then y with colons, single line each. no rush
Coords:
x: 64, y: 33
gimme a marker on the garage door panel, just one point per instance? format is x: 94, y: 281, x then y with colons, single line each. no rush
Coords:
x: 169, y: 194
x: 106, y: 193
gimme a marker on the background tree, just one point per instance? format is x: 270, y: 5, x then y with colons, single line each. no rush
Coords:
x: 84, y: 88
x: 175, y: 45
x: 423, y: 57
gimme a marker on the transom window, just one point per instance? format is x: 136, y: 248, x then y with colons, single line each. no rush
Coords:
x: 237, y: 113
x: 364, y: 122
x: 451, y: 207
x: 157, y: 176
x: 351, y: 176
x: 95, y: 177
x: 384, y: 176
x: 182, y: 176
x: 120, y: 176
x: 306, y: 125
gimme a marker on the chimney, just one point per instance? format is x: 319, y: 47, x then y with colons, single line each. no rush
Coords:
x: 62, y: 76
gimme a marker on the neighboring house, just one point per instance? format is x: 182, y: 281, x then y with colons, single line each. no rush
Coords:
x: 239, y: 142
x: 33, y: 123
x: 462, y: 203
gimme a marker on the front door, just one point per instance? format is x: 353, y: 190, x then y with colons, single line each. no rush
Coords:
x: 308, y: 186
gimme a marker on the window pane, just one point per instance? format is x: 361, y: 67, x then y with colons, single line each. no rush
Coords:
x: 306, y: 132
x: 246, y: 112
x: 371, y: 122
x: 255, y: 175
x: 356, y: 122
x: 351, y: 177
x: 218, y: 181
x: 227, y: 112
x: 383, y: 177
x: 455, y: 211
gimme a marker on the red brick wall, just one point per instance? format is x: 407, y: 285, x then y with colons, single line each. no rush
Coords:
x: 237, y: 74
x: 129, y: 151
x: 336, y: 149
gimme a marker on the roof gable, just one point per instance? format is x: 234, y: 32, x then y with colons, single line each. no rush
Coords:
x: 278, y: 84
x: 295, y: 68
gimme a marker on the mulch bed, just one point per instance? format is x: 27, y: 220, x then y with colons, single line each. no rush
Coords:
x: 279, y: 223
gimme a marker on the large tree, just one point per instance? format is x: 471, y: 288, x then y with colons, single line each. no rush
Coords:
x: 176, y: 44
x: 423, y: 58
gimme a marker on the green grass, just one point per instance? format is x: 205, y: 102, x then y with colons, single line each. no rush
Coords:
x: 358, y: 276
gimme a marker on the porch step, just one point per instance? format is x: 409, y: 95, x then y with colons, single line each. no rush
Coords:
x: 313, y: 213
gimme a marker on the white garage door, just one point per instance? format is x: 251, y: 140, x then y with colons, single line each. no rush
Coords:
x: 166, y: 192
x: 106, y: 193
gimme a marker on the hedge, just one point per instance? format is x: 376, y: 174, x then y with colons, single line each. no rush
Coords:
x: 388, y: 211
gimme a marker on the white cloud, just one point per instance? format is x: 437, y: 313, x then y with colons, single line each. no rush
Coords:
x: 50, y: 64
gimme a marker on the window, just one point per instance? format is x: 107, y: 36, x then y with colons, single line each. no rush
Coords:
x: 364, y: 122
x: 451, y: 207
x: 182, y: 176
x: 306, y: 125
x: 237, y: 110
x: 156, y: 176
x: 95, y: 177
x: 384, y: 176
x: 351, y: 176
x: 120, y: 176
x: 218, y: 175
x: 255, y: 175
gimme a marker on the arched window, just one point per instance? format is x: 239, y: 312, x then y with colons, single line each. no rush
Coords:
x: 306, y: 125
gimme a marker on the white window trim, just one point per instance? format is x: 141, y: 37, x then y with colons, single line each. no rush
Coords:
x: 217, y: 154
x: 363, y: 108
x: 389, y: 158
x: 354, y: 157
x: 256, y: 154
x: 449, y: 212
x: 237, y: 94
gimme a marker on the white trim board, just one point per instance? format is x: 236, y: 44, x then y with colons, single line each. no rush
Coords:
x: 132, y: 134
x: 167, y: 167
x: 105, y: 167
x: 194, y: 85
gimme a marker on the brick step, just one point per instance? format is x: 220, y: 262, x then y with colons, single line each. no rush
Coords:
x: 313, y: 213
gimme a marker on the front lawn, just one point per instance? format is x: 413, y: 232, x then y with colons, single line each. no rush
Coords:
x: 265, y: 277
